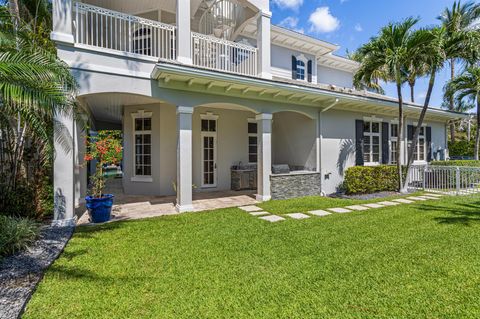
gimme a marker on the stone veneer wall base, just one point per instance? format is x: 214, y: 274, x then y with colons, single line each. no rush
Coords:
x: 295, y: 185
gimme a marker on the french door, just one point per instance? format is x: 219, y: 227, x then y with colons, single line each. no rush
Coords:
x: 209, y: 159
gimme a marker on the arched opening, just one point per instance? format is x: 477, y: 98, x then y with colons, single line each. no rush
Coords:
x: 293, y: 143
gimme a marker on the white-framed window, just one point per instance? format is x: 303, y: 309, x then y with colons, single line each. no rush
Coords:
x: 252, y: 141
x: 393, y: 142
x: 142, y: 138
x: 372, y: 142
x: 302, y: 62
x: 300, y: 70
x: 419, y: 153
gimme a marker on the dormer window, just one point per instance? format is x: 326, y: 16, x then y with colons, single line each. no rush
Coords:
x: 301, y: 68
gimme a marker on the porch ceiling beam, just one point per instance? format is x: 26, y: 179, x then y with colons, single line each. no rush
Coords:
x: 210, y: 85
x: 261, y: 93
x: 277, y: 94
x: 190, y: 82
x: 229, y: 88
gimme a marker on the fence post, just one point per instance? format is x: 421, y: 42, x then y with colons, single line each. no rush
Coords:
x: 457, y: 180
x: 424, y: 176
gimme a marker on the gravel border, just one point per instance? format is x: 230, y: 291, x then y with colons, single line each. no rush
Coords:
x: 20, y: 273
x: 367, y: 196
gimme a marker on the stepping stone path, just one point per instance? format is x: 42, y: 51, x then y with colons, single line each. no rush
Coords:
x: 259, y: 213
x: 373, y: 205
x: 357, y: 207
x: 416, y: 198
x: 339, y: 210
x: 298, y: 216
x: 429, y: 197
x: 388, y: 203
x: 319, y: 213
x: 403, y: 201
x: 272, y: 218
x: 251, y: 208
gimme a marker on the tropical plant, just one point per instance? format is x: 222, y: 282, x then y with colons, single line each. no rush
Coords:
x: 386, y: 57
x: 35, y: 88
x: 16, y: 234
x: 459, y: 18
x: 467, y: 87
x: 105, y: 149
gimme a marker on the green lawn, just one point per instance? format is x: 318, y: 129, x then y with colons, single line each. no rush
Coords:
x: 412, y: 261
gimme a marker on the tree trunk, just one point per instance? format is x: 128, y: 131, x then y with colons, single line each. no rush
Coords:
x: 477, y: 135
x: 451, y: 105
x: 412, y: 92
x: 14, y: 11
x: 412, y: 147
x: 400, y: 133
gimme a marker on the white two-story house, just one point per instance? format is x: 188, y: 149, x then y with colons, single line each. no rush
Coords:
x: 211, y: 96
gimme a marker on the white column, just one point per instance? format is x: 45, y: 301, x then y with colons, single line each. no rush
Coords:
x: 184, y: 159
x: 264, y: 45
x: 64, y: 173
x: 318, y: 141
x: 264, y: 156
x: 184, y: 39
x: 62, y: 21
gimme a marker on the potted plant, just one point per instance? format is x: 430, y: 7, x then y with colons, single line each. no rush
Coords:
x: 105, y: 149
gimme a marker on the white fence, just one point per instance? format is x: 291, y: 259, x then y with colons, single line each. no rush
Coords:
x: 218, y: 54
x: 445, y: 179
x: 103, y: 28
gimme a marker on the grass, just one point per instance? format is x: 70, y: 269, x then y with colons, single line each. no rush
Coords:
x: 411, y: 261
x: 16, y: 234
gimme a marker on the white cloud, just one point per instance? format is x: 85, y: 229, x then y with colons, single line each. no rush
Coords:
x: 358, y: 27
x: 323, y: 21
x: 420, y: 98
x: 288, y: 4
x: 291, y: 23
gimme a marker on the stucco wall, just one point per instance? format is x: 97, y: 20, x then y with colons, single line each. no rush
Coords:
x: 338, y: 143
x: 282, y: 61
x: 336, y: 77
x: 294, y: 140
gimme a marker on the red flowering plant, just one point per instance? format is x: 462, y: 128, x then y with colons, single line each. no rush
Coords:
x: 106, y: 149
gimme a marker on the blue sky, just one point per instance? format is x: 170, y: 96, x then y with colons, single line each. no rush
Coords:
x: 350, y: 23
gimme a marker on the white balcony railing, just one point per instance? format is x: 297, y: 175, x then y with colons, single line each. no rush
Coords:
x: 217, y: 54
x: 103, y: 28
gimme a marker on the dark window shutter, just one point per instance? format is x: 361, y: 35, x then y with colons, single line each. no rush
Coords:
x: 359, y: 143
x: 309, y: 70
x: 294, y: 67
x: 429, y: 143
x: 410, y: 130
x: 385, y: 145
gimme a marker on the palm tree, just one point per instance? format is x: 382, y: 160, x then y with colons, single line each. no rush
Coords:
x: 437, y: 48
x: 467, y: 87
x: 387, y: 56
x: 415, y: 69
x: 35, y: 87
x: 460, y: 17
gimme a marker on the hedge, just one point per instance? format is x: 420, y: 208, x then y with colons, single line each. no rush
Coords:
x: 461, y: 148
x: 371, y: 179
x: 456, y: 163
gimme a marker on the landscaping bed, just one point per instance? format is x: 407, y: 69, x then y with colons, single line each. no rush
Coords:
x: 21, y: 272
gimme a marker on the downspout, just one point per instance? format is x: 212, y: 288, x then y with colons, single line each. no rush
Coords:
x: 320, y: 141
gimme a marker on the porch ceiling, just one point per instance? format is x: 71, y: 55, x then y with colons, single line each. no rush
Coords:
x: 185, y: 78
x: 108, y: 107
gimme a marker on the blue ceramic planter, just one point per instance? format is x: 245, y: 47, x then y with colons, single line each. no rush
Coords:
x: 100, y: 209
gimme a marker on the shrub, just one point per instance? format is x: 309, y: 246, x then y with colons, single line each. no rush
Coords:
x: 370, y: 179
x: 456, y: 163
x: 16, y: 234
x: 461, y: 148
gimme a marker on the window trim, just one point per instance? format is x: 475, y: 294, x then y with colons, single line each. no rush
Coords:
x: 136, y: 115
x: 371, y: 135
x: 391, y: 139
x: 302, y: 58
x: 251, y: 120
x: 425, y: 147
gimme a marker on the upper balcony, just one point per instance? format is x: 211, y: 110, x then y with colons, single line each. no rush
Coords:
x: 202, y: 33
